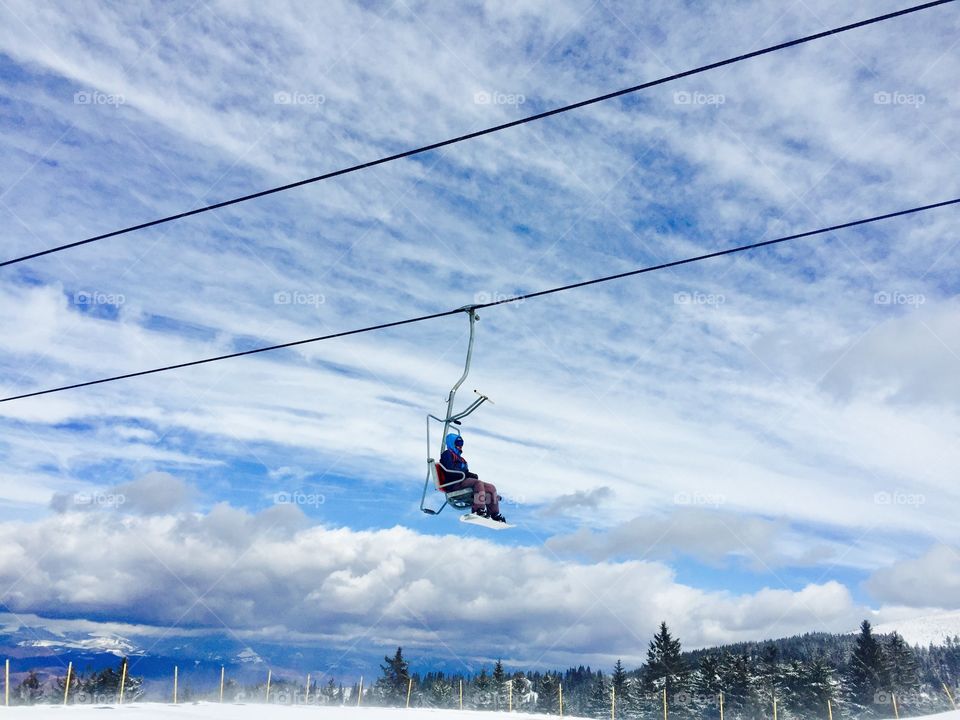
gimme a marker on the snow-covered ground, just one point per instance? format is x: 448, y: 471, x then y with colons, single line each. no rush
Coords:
x: 215, y: 711
x: 924, y: 630
x: 232, y: 711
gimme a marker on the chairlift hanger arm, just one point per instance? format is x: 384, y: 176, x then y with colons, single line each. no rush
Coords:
x: 471, y: 310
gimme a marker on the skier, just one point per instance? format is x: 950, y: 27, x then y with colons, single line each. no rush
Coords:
x: 486, y: 502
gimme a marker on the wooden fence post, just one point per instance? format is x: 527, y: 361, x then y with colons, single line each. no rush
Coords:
x: 461, y: 693
x: 829, y: 709
x: 66, y: 687
x: 269, y: 678
x: 176, y: 678
x: 123, y: 680
x: 896, y: 711
x: 721, y: 705
x: 510, y: 697
x: 223, y: 671
x: 949, y: 696
x: 409, y: 689
x: 360, y: 691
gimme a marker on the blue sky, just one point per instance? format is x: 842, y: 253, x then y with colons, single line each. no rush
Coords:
x: 747, y: 447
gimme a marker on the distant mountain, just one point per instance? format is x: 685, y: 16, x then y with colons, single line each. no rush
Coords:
x: 198, y: 658
x: 111, y: 644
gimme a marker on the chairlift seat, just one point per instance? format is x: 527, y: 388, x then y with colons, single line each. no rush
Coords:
x: 443, y: 477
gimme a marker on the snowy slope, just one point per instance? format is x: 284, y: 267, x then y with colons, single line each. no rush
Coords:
x: 924, y: 630
x: 214, y: 711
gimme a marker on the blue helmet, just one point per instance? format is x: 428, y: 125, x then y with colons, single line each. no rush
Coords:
x: 452, y: 440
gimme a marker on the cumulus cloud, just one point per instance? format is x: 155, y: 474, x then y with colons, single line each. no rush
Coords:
x: 228, y: 568
x: 931, y: 580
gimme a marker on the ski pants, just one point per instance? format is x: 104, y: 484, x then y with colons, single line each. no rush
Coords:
x: 484, y: 493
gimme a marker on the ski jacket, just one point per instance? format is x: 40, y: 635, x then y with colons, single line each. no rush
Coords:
x: 452, y: 461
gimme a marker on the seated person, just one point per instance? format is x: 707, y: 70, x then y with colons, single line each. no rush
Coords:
x: 486, y: 502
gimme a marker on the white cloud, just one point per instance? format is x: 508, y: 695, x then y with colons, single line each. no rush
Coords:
x: 931, y: 580
x: 230, y: 569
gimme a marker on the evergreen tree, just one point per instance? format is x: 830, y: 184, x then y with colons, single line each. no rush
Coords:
x: 708, y: 684
x: 618, y: 680
x: 817, y: 688
x: 440, y: 693
x: 902, y: 664
x: 598, y: 705
x: 868, y: 675
x: 331, y: 694
x: 739, y: 694
x: 634, y: 701
x: 30, y: 689
x: 770, y: 671
x: 501, y: 688
x: 548, y: 694
x: 391, y: 687
x: 104, y: 686
x: 665, y: 667
x: 770, y: 678
x: 522, y: 691
x: 483, y: 691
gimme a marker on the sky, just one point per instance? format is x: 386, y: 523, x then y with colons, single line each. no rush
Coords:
x: 748, y: 447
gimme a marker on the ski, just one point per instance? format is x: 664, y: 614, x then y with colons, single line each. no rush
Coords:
x: 472, y: 519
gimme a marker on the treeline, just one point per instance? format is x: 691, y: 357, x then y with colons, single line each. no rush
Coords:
x: 91, y: 688
x: 808, y: 676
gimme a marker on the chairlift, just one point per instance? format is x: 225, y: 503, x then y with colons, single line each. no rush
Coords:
x: 440, y: 476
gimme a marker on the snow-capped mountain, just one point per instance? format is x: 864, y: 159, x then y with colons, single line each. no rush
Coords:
x: 112, y: 644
